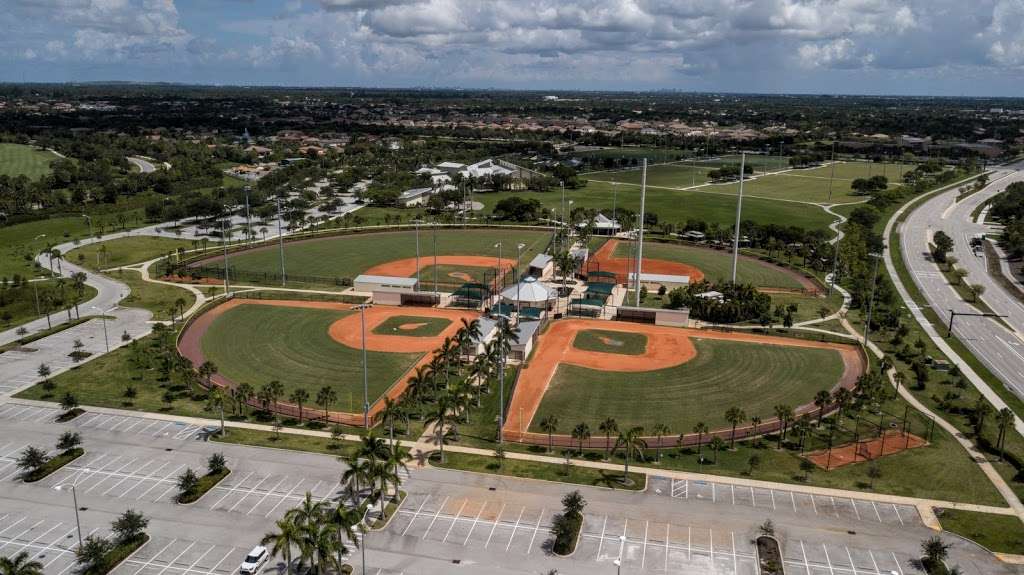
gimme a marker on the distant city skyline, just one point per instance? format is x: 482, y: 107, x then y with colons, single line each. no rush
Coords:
x: 926, y: 47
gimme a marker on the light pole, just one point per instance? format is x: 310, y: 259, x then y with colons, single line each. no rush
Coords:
x: 224, y: 240
x: 103, y: 317
x: 417, y: 225
x: 498, y: 272
x: 366, y: 387
x: 739, y: 210
x: 640, y: 235
x: 280, y: 240
x: 833, y: 174
x: 74, y: 497
x: 871, y: 302
x: 248, y: 226
x: 618, y: 562
x: 501, y: 375
x: 519, y: 254
x: 434, y: 226
x: 88, y: 219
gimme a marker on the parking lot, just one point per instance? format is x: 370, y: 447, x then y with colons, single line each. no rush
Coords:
x: 51, y: 543
x: 166, y: 556
x: 140, y: 425
x: 785, y: 501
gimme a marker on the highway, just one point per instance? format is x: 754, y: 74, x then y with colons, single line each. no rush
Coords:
x: 999, y: 348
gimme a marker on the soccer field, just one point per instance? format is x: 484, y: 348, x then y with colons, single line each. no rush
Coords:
x: 723, y: 374
x: 19, y: 160
x: 350, y: 255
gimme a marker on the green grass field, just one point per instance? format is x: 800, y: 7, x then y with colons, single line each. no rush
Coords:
x: 125, y: 251
x: 18, y: 305
x: 716, y: 265
x: 20, y: 160
x: 456, y: 274
x: 157, y: 298
x: 610, y: 341
x: 998, y: 533
x: 349, y: 256
x: 258, y: 344
x: 724, y: 374
x: 427, y: 326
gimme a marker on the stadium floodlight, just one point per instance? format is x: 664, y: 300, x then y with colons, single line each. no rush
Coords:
x: 739, y: 210
x: 640, y: 234
x: 366, y: 385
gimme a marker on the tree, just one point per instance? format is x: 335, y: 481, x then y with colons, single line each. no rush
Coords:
x: 755, y: 421
x: 549, y: 425
x: 499, y: 455
x: 216, y: 464
x: 717, y: 444
x: 69, y: 440
x: 807, y: 467
x: 960, y: 274
x: 753, y: 462
x: 660, y: 430
x: 326, y: 396
x: 92, y: 554
x: 31, y: 458
x: 215, y: 400
x: 129, y: 526
x: 977, y: 290
x: 608, y: 427
x: 632, y: 443
x: 299, y: 396
x: 581, y: 433
x: 392, y: 411
x: 68, y: 402
x: 874, y: 472
x: 187, y: 483
x: 700, y: 429
x: 935, y: 549
x: 821, y: 400
x: 281, y: 542
x: 942, y: 245
x: 982, y: 409
x: 440, y: 418
x: 20, y: 565
x: 1004, y: 419
x: 243, y: 394
x: 734, y: 416
x: 44, y: 372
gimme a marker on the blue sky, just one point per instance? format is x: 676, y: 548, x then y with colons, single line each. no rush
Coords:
x: 939, y: 47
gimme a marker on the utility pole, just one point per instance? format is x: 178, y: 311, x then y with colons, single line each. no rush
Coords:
x: 248, y: 226
x: 280, y: 240
x: 224, y: 240
x: 417, y: 224
x: 739, y: 210
x: 871, y: 302
x: 640, y: 234
x: 366, y: 386
x: 434, y: 225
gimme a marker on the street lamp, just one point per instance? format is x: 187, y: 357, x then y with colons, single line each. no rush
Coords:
x: 417, y: 224
x: 103, y: 317
x: 366, y: 389
x: 501, y: 375
x: 519, y: 255
x: 224, y: 240
x: 618, y: 562
x: 498, y: 272
x: 74, y: 496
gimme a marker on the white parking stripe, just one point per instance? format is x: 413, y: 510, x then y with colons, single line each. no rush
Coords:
x: 514, y: 528
x: 494, y: 526
x: 535, y: 530
x: 477, y: 519
x: 242, y: 482
x: 415, y: 516
x: 267, y: 494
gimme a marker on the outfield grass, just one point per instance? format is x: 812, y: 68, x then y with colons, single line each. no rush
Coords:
x: 674, y: 206
x: 125, y: 251
x: 716, y: 264
x: 534, y: 470
x: 723, y: 374
x: 426, y: 326
x: 348, y: 256
x: 258, y: 344
x: 455, y: 274
x: 29, y: 161
x: 157, y: 298
x: 610, y: 341
x: 997, y: 533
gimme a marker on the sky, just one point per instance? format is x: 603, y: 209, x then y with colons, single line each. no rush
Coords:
x: 920, y: 47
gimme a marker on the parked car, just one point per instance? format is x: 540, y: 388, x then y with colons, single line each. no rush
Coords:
x: 254, y: 561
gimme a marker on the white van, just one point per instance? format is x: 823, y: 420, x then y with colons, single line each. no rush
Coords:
x: 254, y: 561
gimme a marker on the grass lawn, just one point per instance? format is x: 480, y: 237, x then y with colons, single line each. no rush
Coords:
x: 294, y: 442
x: 717, y: 265
x: 29, y: 161
x: 674, y: 205
x: 348, y: 256
x: 808, y: 306
x: 724, y: 374
x: 611, y: 341
x: 157, y: 298
x: 258, y: 344
x: 414, y: 325
x: 18, y: 305
x: 125, y: 251
x: 534, y: 470
x: 447, y: 274
x: 998, y: 533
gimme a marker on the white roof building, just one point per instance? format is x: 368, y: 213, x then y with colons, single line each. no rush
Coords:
x: 529, y: 291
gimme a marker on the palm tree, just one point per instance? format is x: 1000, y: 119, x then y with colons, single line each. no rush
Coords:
x: 276, y: 390
x: 392, y: 411
x: 322, y: 542
x: 982, y: 409
x: 20, y: 565
x: 383, y: 473
x: 440, y: 418
x: 660, y: 430
x: 608, y: 427
x: 93, y: 552
x: 207, y: 370
x: 842, y: 397
x: 472, y: 329
x: 216, y: 399
x: 632, y: 443
x: 325, y: 397
x: 581, y: 433
x: 700, y: 429
x: 288, y: 535
x: 755, y: 421
x: 1004, y: 419
x: 307, y: 513
x: 735, y: 416
x: 299, y: 396
x: 935, y: 549
x: 179, y: 304
x: 549, y: 425
x: 717, y: 445
x: 783, y: 413
x: 821, y: 400
x: 356, y: 475
x: 243, y: 393
x: 344, y: 520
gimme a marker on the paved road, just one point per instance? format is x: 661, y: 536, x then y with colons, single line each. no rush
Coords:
x: 144, y: 165
x: 1000, y: 349
x: 482, y: 524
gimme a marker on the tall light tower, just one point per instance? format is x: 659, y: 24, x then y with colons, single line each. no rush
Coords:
x: 739, y: 210
x: 280, y: 239
x: 640, y: 233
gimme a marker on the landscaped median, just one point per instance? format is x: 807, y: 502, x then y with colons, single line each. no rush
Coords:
x: 99, y: 555
x: 559, y: 472
x: 997, y: 533
x: 36, y: 465
x: 191, y: 487
x: 287, y: 440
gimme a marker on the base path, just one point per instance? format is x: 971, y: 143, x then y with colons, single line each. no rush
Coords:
x: 407, y: 267
x: 606, y: 261
x: 347, y: 331
x: 666, y: 347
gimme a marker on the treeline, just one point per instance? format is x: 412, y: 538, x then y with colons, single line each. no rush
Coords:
x: 732, y: 304
x: 1008, y: 209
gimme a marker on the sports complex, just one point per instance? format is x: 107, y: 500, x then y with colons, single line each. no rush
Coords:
x: 580, y: 352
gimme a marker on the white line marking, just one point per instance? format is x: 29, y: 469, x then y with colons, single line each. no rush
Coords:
x: 454, y: 519
x: 415, y: 516
x: 495, y: 525
x: 478, y: 514
x: 439, y: 509
x: 514, y: 528
x: 535, y: 530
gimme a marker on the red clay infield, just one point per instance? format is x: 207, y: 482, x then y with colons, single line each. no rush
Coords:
x: 347, y: 331
x: 607, y: 262
x: 666, y: 347
x: 407, y: 267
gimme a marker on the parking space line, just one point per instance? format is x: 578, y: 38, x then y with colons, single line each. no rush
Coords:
x: 478, y: 514
x: 4, y: 530
x: 111, y: 474
x: 877, y: 514
x: 689, y: 546
x: 897, y: 561
x: 454, y: 520
x: 415, y: 515
x: 793, y: 499
x: 535, y: 530
x: 643, y: 554
x: 158, y: 483
x: 267, y: 494
x: 807, y: 565
x: 286, y: 496
x: 165, y: 426
x: 33, y: 542
x: 440, y: 508
x: 835, y: 509
x: 897, y: 513
x: 494, y: 526
x: 753, y: 500
x: 711, y: 545
x: 514, y: 528
x: 141, y: 479
x: 175, y: 560
x: 735, y: 559
x: 855, y: 510
x: 600, y: 543
x: 850, y: 557
x: 18, y: 536
x: 61, y: 551
x: 251, y: 491
x: 196, y: 562
x: 229, y: 491
x: 53, y: 544
x: 130, y: 475
x: 668, y: 526
x: 139, y: 420
x: 732, y: 489
x: 873, y: 562
x: 814, y: 505
x: 830, y: 569
x: 223, y: 559
x: 713, y: 496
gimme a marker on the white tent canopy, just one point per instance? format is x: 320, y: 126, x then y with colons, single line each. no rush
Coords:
x: 529, y: 291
